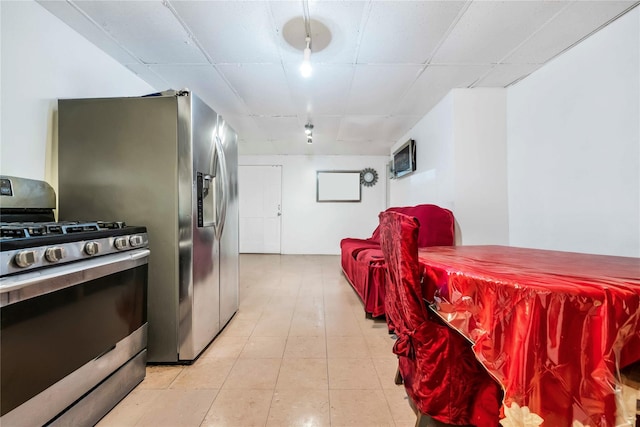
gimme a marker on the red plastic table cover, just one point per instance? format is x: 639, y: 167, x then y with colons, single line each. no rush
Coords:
x: 553, y: 328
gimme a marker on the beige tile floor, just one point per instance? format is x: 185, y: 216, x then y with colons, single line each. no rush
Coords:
x: 299, y: 352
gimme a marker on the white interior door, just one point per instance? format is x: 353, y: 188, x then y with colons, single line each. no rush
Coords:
x: 260, y: 195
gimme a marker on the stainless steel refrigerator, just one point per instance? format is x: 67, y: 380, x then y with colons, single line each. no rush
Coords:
x: 169, y: 162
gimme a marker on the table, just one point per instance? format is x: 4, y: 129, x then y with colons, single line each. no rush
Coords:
x: 553, y: 328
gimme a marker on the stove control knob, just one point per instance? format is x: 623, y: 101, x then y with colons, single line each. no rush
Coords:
x: 135, y: 241
x: 121, y: 243
x: 25, y: 258
x: 54, y: 254
x: 91, y: 248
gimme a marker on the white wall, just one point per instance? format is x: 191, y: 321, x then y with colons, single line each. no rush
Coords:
x: 309, y: 227
x: 433, y: 181
x: 480, y: 134
x: 43, y: 60
x: 574, y: 147
x: 461, y: 164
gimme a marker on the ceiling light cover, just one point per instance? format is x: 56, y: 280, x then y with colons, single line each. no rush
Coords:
x: 305, y: 67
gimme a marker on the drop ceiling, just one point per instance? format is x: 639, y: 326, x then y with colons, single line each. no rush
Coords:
x: 386, y: 65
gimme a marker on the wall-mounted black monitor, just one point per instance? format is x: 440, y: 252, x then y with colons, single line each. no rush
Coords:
x: 404, y: 159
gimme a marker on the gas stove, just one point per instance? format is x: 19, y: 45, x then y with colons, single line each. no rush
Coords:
x: 30, y: 238
x: 73, y: 296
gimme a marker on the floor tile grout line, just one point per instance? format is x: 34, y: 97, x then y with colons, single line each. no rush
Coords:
x: 273, y: 395
x: 176, y: 377
x: 226, y: 377
x: 326, y: 350
x: 210, y: 406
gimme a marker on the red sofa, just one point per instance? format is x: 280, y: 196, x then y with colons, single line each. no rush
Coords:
x: 363, y: 262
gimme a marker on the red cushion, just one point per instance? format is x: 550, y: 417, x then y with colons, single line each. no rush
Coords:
x: 349, y: 251
x: 371, y: 255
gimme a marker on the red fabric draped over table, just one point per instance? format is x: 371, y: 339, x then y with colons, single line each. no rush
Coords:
x: 552, y: 327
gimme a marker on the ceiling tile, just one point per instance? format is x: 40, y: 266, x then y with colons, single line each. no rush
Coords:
x: 375, y: 128
x: 503, y: 75
x: 232, y: 32
x: 435, y: 83
x: 281, y: 128
x: 377, y: 89
x: 246, y: 128
x: 148, y: 75
x: 325, y: 92
x: 489, y: 30
x: 206, y: 82
x: 81, y: 24
x: 571, y: 25
x: 341, y: 18
x: 148, y: 28
x: 406, y: 32
x: 360, y: 128
x: 394, y: 127
x: 262, y: 87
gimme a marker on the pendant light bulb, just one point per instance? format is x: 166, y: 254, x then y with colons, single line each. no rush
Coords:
x: 305, y: 68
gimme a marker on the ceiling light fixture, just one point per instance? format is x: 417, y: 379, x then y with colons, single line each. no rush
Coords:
x: 308, y: 130
x: 305, y: 67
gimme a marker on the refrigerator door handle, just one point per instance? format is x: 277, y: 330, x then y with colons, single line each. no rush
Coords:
x: 222, y: 175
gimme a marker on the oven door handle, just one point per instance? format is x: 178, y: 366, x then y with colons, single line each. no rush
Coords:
x: 20, y: 287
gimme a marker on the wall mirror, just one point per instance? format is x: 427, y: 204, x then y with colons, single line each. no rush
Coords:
x: 338, y: 186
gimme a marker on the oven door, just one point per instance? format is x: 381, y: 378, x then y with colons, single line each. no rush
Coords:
x: 65, y: 329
